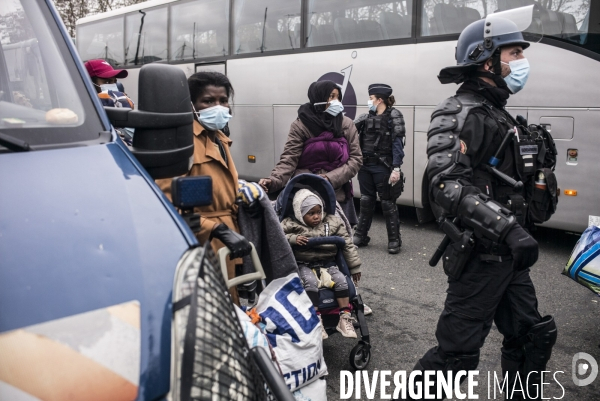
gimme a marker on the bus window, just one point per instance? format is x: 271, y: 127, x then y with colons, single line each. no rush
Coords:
x: 337, y: 22
x: 562, y: 20
x: 266, y: 25
x: 102, y: 39
x: 145, y: 38
x: 199, y: 28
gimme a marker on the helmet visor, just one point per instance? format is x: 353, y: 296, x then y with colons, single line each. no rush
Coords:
x: 526, y: 20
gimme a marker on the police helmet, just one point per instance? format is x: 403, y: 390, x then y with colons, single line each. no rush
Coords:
x: 478, y: 42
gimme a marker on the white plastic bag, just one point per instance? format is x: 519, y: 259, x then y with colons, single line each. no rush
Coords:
x: 294, y: 331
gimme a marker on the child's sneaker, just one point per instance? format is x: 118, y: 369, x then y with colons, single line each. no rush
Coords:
x: 346, y: 326
x: 324, y: 335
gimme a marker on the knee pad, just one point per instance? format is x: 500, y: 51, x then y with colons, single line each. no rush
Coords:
x: 367, y: 202
x: 456, y: 362
x: 388, y: 206
x: 541, y: 338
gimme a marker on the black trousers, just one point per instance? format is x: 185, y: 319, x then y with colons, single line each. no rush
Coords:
x: 486, y: 292
x: 371, y: 175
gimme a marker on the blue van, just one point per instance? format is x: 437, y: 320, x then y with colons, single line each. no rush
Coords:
x: 90, y: 248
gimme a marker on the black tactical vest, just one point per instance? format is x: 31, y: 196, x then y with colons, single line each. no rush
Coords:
x: 520, y: 161
x: 377, y: 136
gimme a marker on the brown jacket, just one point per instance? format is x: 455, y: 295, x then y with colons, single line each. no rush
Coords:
x: 293, y: 228
x: 286, y: 167
x: 208, y: 161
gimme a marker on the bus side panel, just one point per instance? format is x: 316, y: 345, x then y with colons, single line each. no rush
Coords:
x: 573, y: 211
x: 283, y: 117
x: 410, y: 157
x: 131, y: 82
x: 422, y: 119
x: 252, y: 135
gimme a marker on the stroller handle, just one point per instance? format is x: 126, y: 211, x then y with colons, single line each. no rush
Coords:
x: 316, y: 241
x: 246, y: 278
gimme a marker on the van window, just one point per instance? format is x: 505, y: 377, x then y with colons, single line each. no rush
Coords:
x: 35, y: 87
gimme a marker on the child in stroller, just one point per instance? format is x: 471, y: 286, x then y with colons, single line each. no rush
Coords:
x: 317, y: 264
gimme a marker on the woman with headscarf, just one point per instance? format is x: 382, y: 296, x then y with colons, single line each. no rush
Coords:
x: 321, y: 141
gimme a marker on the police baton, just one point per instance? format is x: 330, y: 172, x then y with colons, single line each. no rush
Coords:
x: 453, y: 234
x: 495, y: 161
x: 437, y: 255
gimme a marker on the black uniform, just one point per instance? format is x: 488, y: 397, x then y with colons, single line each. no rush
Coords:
x: 488, y: 275
x: 382, y: 145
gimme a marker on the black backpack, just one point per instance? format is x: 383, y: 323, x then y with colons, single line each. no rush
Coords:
x: 543, y: 202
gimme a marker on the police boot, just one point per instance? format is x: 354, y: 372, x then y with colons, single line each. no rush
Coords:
x: 538, y: 350
x: 392, y: 223
x: 367, y: 208
x: 511, y: 381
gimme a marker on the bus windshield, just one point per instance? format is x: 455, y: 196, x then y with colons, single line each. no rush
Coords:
x: 37, y: 89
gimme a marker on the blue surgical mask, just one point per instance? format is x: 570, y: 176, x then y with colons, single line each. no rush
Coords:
x: 372, y: 107
x: 335, y: 108
x: 213, y: 118
x: 519, y: 72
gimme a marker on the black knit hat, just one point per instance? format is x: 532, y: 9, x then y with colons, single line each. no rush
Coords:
x: 380, y: 89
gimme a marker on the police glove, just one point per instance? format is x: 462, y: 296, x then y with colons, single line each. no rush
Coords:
x: 523, y: 247
x: 237, y: 243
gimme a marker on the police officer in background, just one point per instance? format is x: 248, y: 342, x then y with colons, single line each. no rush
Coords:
x: 382, y: 135
x: 485, y: 214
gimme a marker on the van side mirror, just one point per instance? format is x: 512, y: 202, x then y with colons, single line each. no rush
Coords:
x: 190, y: 192
x: 164, y: 140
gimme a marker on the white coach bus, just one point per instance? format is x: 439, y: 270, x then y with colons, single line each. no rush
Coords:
x: 273, y: 49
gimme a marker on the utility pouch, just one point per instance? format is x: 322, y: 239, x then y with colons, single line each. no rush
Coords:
x: 543, y: 201
x: 518, y: 206
x: 547, y: 154
x: 383, y: 190
x: 396, y: 190
x: 526, y: 153
x: 457, y: 255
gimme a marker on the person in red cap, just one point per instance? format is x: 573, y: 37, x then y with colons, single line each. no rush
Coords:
x: 104, y: 78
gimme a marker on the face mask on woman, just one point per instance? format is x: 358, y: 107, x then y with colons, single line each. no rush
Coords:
x: 519, y: 72
x: 335, y: 108
x: 213, y: 118
x: 372, y: 106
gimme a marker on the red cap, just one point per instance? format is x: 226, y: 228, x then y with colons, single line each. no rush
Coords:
x: 101, y: 69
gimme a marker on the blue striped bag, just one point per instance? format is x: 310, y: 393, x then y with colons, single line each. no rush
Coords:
x: 584, y: 264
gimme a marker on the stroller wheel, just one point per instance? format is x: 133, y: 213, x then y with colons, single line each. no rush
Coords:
x: 360, y: 356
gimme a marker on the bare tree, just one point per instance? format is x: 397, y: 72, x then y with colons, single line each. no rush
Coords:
x: 72, y: 10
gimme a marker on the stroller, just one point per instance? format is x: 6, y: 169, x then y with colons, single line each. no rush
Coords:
x: 360, y: 355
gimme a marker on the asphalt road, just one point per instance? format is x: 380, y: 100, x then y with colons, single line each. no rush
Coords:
x: 407, y: 297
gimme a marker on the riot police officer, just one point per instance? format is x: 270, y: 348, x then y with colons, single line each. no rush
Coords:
x: 382, y: 135
x: 485, y: 213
